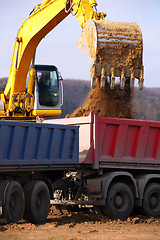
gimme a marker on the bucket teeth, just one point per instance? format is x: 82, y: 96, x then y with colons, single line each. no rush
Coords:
x: 132, y: 79
x: 93, y: 82
x: 103, y: 72
x: 141, y: 80
x: 103, y: 78
x: 122, y: 84
x: 141, y: 84
x: 112, y: 84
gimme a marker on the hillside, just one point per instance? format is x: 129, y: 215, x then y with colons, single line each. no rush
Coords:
x: 75, y: 93
x: 2, y: 83
x: 146, y: 103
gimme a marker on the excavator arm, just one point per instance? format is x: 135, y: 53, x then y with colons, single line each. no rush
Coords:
x: 41, y: 21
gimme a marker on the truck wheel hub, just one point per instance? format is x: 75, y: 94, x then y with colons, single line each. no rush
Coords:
x: 12, y: 202
x: 153, y: 201
x: 118, y: 201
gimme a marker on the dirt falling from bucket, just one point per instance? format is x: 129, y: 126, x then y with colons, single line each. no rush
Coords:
x: 111, y: 103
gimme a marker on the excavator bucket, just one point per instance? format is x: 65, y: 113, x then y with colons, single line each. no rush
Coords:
x: 114, y: 50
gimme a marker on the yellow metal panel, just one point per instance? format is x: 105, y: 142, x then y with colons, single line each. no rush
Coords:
x: 84, y: 12
x: 31, y: 80
x: 44, y: 3
x: 1, y: 113
x: 47, y: 113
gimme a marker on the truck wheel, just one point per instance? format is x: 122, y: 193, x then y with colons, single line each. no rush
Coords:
x: 120, y: 201
x: 151, y: 200
x: 13, y: 209
x: 37, y: 198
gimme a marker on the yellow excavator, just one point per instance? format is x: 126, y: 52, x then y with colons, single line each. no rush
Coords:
x: 114, y: 50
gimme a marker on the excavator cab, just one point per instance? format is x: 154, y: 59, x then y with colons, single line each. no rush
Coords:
x: 42, y: 95
x: 48, y: 91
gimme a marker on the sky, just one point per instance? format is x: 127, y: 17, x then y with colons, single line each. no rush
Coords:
x: 59, y: 47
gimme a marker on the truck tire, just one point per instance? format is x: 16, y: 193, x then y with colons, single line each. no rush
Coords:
x: 151, y: 200
x: 119, y: 202
x: 13, y: 209
x: 37, y: 199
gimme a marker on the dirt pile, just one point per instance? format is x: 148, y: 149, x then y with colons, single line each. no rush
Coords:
x: 111, y: 103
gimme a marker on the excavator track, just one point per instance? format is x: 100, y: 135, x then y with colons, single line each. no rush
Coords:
x: 114, y: 50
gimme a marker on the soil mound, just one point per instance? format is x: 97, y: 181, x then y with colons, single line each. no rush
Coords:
x: 110, y: 102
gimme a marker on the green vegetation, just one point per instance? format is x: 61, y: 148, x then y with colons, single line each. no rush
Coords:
x: 2, y: 83
x: 146, y: 103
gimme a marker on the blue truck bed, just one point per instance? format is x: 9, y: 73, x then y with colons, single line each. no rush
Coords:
x: 35, y: 146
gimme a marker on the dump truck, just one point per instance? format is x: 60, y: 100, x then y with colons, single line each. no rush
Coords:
x: 108, y: 164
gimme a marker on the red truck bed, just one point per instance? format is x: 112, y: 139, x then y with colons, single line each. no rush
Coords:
x: 118, y: 143
x: 126, y: 143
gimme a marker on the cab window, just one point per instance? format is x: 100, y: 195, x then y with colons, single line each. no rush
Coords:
x: 48, y: 87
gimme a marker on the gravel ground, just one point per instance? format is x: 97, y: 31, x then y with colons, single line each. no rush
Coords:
x: 84, y: 226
